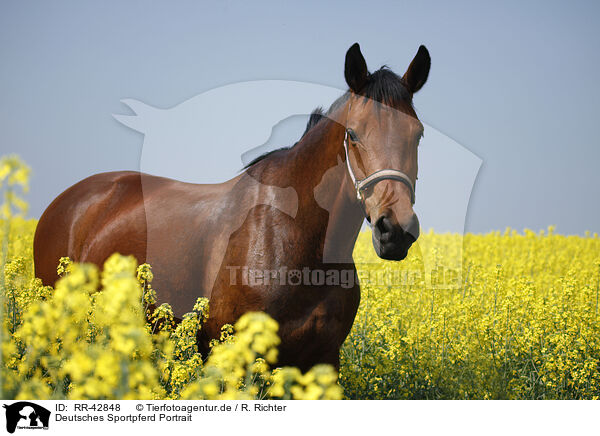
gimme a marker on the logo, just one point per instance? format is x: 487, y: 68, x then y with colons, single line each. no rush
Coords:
x: 26, y: 415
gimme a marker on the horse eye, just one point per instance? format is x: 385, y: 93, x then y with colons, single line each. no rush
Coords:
x: 352, y: 135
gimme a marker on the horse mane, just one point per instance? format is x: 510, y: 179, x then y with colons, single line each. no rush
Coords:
x: 315, y: 116
x: 383, y: 86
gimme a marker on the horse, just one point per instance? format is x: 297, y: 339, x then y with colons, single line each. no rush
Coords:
x: 277, y: 238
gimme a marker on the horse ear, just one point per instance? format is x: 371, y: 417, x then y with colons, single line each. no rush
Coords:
x: 355, y: 69
x: 418, y: 70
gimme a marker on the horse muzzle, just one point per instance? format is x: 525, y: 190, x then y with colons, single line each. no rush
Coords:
x: 391, y: 240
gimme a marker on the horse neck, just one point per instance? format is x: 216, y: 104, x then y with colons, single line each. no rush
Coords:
x: 320, y: 167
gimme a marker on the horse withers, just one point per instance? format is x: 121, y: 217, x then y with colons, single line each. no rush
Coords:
x: 277, y: 238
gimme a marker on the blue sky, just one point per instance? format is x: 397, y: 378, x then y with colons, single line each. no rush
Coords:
x: 516, y: 83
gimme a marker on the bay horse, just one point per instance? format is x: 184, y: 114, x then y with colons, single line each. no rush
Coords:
x: 277, y: 238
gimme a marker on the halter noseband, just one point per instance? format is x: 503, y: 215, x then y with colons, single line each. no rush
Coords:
x: 376, y: 177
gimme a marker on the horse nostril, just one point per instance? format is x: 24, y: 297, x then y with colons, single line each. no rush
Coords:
x: 380, y: 226
x: 385, y: 228
x: 388, y: 231
x: 413, y: 228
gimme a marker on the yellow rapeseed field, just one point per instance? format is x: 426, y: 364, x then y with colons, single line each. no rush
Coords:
x: 501, y: 315
x: 522, y: 322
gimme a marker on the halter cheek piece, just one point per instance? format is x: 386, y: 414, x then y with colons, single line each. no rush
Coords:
x: 376, y: 177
